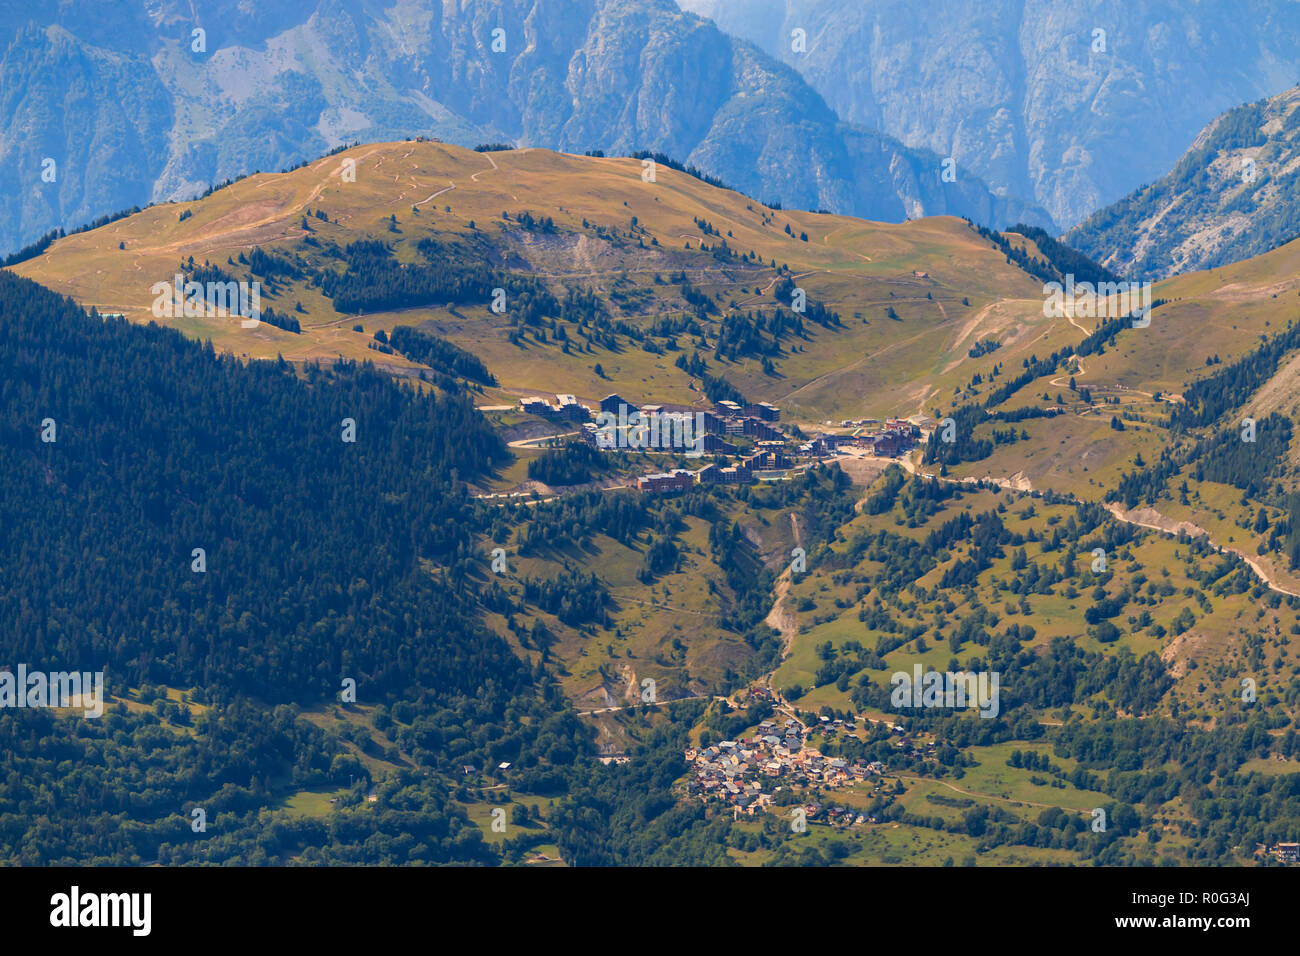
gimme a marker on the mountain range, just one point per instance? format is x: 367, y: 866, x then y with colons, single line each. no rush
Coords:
x: 105, y: 109
x: 1072, y: 105
x: 1233, y: 195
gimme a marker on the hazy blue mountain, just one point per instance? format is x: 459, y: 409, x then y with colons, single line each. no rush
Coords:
x: 1014, y: 91
x: 1233, y: 195
x: 134, y: 107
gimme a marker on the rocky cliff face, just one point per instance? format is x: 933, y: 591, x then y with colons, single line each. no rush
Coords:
x: 134, y: 105
x: 1027, y: 93
x: 1233, y: 195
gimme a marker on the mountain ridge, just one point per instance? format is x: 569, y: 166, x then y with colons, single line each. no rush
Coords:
x: 565, y: 222
x: 1232, y: 196
x: 623, y: 75
x: 1036, y: 97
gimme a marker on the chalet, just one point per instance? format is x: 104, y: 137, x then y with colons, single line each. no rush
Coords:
x: 714, y: 445
x: 611, y: 403
x: 570, y: 407
x: 714, y: 424
x: 769, y: 455
x: 536, y: 406
x: 736, y: 474
x: 759, y: 430
x: 887, y: 444
x: 677, y: 480
x: 598, y: 437
x: 830, y: 443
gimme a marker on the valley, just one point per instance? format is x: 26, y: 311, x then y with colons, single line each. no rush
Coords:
x: 923, y: 468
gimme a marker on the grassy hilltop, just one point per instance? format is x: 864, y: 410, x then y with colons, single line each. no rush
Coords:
x: 874, y: 363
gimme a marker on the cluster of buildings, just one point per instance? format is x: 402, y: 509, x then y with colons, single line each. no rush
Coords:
x: 621, y: 425
x: 617, y: 415
x: 742, y: 472
x: 745, y: 773
x: 895, y: 437
x: 1288, y: 853
x: 565, y: 408
x: 679, y: 479
x: 724, y: 418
